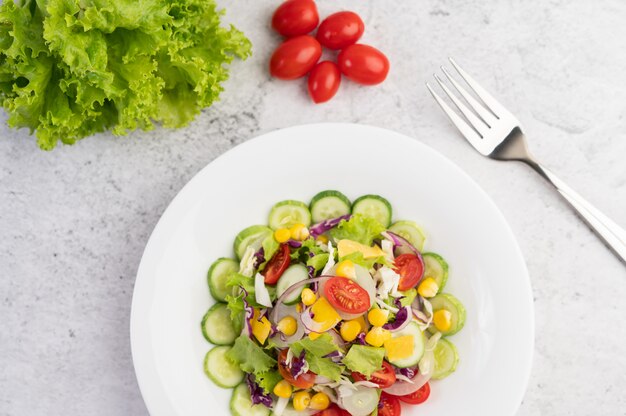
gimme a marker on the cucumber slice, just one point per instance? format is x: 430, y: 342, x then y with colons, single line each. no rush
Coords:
x: 294, y: 274
x: 456, y: 308
x: 218, y: 276
x: 252, y: 236
x: 373, y: 206
x: 221, y: 370
x: 241, y: 403
x: 410, y: 231
x: 446, y: 359
x: 419, y: 341
x: 286, y: 214
x: 329, y: 204
x: 217, y: 326
x: 437, y: 268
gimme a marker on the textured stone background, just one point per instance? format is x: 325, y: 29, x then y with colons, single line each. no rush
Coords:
x: 73, y: 223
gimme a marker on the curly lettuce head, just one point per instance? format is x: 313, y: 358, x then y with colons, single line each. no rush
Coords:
x: 71, y: 68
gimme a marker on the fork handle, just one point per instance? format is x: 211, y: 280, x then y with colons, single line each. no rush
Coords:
x: 612, y: 234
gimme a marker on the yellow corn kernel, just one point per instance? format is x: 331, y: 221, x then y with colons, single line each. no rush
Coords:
x: 288, y: 325
x: 442, y: 319
x: 299, y: 308
x: 314, y: 335
x: 299, y: 232
x: 428, y: 288
x: 377, y: 336
x: 322, y: 239
x: 378, y: 317
x: 283, y: 389
x: 282, y: 235
x: 308, y: 296
x: 301, y: 400
x: 345, y: 268
x: 350, y: 330
x: 319, y: 401
x: 364, y: 325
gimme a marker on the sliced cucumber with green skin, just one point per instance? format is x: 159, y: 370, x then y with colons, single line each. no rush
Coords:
x: 294, y: 274
x: 410, y: 231
x: 252, y: 236
x: 419, y: 341
x: 221, y: 370
x: 329, y: 204
x: 454, y: 306
x: 373, y: 206
x: 286, y: 214
x: 446, y: 359
x: 217, y: 326
x: 218, y: 276
x: 437, y: 268
x: 241, y: 403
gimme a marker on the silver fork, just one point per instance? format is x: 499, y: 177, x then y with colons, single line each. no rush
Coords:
x: 497, y: 134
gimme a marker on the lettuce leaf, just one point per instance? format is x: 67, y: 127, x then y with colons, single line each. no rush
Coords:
x: 72, y: 68
x: 318, y: 261
x: 267, y: 380
x: 250, y: 357
x: 324, y: 367
x: 357, y: 258
x: 315, y: 350
x: 359, y: 228
x: 364, y: 359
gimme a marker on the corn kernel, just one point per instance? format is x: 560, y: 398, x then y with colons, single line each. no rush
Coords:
x: 319, y: 401
x: 428, y: 288
x: 299, y: 232
x: 301, y: 400
x: 288, y: 325
x: 345, y: 268
x: 377, y: 336
x: 442, y: 319
x: 283, y: 389
x: 378, y: 317
x: 299, y: 308
x: 308, y: 296
x: 282, y: 235
x: 350, y: 330
x: 322, y: 239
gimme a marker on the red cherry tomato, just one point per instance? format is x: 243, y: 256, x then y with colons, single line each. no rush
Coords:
x: 324, y: 81
x: 340, y: 30
x: 333, y: 410
x: 346, y: 295
x: 304, y: 381
x: 277, y: 265
x: 384, y: 378
x: 389, y: 405
x: 418, y: 396
x: 410, y: 268
x: 295, y: 18
x: 363, y: 64
x: 295, y: 57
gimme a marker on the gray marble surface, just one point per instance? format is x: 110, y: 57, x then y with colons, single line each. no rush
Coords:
x: 73, y: 222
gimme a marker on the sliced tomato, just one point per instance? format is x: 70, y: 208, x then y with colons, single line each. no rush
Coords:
x: 346, y: 295
x: 389, y: 405
x: 418, y: 396
x: 303, y: 381
x: 333, y: 410
x: 384, y: 378
x: 410, y: 269
x: 277, y: 265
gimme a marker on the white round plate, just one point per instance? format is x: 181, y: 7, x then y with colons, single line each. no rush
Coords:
x: 487, y: 270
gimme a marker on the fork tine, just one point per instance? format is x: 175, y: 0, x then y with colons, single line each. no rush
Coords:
x: 484, y: 114
x: 474, y: 121
x: 465, y: 129
x: 494, y: 106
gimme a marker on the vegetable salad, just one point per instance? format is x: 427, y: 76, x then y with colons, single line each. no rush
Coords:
x: 330, y: 309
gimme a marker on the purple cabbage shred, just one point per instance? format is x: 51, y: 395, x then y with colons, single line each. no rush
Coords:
x: 360, y: 339
x: 259, y: 258
x: 298, y: 365
x: 257, y: 394
x: 401, y: 317
x: 294, y: 243
x: 321, y: 227
x: 408, y: 372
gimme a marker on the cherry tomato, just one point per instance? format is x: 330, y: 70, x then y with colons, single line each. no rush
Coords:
x: 340, y: 30
x: 324, y: 81
x: 295, y: 57
x: 389, y: 405
x: 303, y: 381
x: 363, y: 64
x: 333, y: 410
x: 410, y: 268
x: 277, y: 265
x: 418, y: 396
x: 346, y: 295
x: 295, y: 18
x: 384, y: 378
